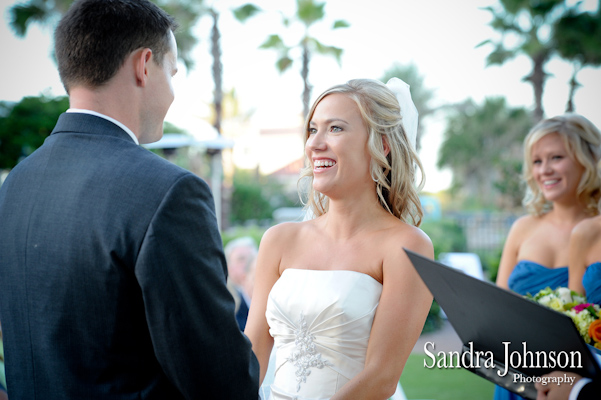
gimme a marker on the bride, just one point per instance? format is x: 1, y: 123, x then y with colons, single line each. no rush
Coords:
x: 337, y: 294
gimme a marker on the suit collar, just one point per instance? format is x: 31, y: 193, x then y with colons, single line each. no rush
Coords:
x: 114, y: 121
x: 87, y: 123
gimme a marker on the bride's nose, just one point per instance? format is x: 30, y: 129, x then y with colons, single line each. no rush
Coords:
x: 316, y: 142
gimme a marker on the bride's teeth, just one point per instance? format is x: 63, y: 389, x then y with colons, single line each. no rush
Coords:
x: 324, y: 163
x: 550, y: 182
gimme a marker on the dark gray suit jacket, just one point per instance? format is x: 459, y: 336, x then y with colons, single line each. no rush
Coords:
x: 112, y: 276
x: 590, y: 391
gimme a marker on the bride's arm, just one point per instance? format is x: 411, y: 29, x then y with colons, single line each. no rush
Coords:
x: 266, y: 274
x: 398, y: 322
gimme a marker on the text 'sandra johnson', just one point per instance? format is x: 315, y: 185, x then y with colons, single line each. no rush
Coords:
x: 471, y: 358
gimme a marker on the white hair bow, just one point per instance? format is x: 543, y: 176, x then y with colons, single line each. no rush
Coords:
x: 409, y: 112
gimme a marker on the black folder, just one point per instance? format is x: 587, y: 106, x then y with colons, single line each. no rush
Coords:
x: 485, y: 315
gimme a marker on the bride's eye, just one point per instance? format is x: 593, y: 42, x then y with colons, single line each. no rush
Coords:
x: 335, y: 129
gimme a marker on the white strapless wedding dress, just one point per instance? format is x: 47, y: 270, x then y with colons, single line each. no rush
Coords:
x: 320, y: 322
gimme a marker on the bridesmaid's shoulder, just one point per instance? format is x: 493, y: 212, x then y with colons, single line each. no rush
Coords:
x: 588, y: 228
x: 526, y: 223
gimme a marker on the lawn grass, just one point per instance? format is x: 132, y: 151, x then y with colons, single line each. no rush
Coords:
x: 419, y: 382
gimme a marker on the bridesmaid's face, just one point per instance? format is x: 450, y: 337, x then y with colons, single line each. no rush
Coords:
x: 555, y: 171
x: 337, y: 147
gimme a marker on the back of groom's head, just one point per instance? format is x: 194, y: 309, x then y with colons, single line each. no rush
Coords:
x: 94, y: 38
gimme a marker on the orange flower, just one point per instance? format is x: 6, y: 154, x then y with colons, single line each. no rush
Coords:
x: 594, y: 330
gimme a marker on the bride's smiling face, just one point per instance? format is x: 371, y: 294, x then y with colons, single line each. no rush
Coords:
x: 337, y: 146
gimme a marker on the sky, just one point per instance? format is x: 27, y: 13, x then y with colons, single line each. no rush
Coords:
x: 438, y: 36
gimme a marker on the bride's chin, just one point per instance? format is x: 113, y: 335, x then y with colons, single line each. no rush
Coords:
x: 320, y: 186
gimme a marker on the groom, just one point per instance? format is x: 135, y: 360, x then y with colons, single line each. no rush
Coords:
x: 112, y: 275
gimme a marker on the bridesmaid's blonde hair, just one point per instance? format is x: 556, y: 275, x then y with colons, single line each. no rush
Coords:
x: 582, y: 140
x: 394, y: 175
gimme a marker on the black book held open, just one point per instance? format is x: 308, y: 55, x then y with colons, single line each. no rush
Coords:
x: 507, y: 339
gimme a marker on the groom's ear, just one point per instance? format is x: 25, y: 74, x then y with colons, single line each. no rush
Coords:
x: 140, y: 59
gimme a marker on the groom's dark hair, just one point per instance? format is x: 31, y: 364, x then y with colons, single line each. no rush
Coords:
x: 94, y: 38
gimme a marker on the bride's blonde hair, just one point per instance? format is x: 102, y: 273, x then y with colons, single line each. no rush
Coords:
x: 582, y: 140
x: 395, y: 174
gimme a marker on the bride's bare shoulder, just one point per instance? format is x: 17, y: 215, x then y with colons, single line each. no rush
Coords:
x: 286, y: 231
x: 403, y: 235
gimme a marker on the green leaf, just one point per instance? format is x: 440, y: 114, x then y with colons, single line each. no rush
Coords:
x: 499, y: 56
x: 489, y: 9
x: 246, y: 11
x: 283, y: 63
x: 484, y: 42
x: 340, y: 24
x: 336, y: 52
x: 309, y: 11
x: 273, y: 42
x: 24, y: 14
x: 578, y: 38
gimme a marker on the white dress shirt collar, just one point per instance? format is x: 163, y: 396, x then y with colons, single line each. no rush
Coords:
x: 114, y: 121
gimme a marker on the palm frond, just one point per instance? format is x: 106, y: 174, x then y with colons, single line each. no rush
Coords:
x: 245, y: 12
x: 340, y: 24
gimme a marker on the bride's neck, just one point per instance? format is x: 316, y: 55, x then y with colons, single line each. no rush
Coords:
x: 345, y: 218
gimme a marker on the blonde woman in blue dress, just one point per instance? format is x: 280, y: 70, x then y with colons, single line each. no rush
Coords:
x: 563, y: 189
x: 337, y: 294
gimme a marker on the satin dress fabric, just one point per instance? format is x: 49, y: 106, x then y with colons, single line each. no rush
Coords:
x: 321, y: 322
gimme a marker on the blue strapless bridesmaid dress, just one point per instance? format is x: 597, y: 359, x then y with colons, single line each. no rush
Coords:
x: 592, y: 283
x: 530, y: 277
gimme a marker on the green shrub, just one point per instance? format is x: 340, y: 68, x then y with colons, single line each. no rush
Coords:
x: 255, y: 232
x: 446, y: 235
x: 434, y: 319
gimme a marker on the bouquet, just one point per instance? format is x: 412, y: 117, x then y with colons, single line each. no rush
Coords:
x: 585, y: 315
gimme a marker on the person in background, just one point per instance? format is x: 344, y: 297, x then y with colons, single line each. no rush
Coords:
x: 563, y: 189
x: 585, y: 278
x: 113, y: 278
x: 240, y: 255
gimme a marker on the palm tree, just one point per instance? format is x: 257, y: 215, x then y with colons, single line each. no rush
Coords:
x: 527, y: 20
x: 48, y: 12
x: 577, y: 37
x: 308, y: 12
x: 473, y: 137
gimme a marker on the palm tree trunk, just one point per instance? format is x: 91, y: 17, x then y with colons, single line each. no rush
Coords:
x: 537, y: 78
x: 216, y: 157
x: 305, y: 75
x: 573, y: 86
x: 217, y: 71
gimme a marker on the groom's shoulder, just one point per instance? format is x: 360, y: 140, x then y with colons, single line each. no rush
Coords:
x: 146, y: 169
